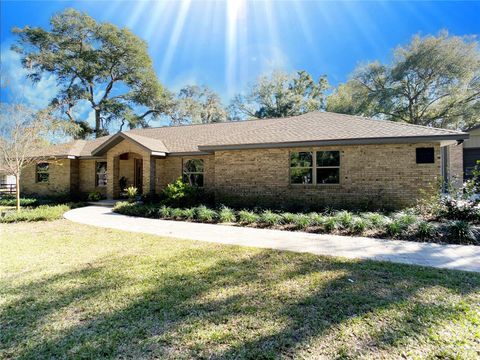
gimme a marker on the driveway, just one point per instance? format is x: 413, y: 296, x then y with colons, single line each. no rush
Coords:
x: 458, y: 257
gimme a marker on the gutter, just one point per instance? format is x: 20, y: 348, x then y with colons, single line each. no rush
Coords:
x: 364, y: 141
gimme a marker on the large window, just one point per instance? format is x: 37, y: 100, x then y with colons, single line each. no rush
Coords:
x: 193, y: 172
x: 315, y: 167
x: 101, y: 173
x: 42, y: 173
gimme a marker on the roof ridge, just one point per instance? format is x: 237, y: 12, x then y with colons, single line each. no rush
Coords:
x: 395, y: 122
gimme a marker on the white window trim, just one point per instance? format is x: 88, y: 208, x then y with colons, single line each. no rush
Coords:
x: 314, y: 168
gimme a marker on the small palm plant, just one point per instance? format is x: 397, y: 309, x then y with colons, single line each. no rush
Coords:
x: 132, y: 193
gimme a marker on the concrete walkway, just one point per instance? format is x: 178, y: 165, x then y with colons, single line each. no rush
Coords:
x: 457, y: 257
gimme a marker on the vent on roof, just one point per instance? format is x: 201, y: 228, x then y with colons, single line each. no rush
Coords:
x: 123, y: 156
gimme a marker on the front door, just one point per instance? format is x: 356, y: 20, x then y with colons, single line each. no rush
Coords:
x: 138, y: 179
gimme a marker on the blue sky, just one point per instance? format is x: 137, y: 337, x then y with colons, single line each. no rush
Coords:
x: 227, y: 44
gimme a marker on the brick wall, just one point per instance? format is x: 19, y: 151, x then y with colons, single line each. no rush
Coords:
x: 170, y: 169
x: 59, y: 179
x: 455, y: 165
x: 373, y: 175
x: 87, y: 177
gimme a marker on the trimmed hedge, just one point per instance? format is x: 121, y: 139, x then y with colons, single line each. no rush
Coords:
x: 403, y: 225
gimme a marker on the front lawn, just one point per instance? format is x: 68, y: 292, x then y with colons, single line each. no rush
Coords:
x: 74, y: 291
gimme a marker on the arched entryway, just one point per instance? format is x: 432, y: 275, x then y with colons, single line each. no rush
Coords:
x: 129, y: 169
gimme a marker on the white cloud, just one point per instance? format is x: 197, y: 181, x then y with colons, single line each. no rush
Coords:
x: 21, y: 89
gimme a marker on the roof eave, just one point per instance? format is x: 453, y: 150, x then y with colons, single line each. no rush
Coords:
x: 364, y: 141
x: 116, y: 139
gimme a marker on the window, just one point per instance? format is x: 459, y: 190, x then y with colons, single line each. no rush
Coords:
x: 328, y: 167
x: 425, y: 155
x: 320, y: 167
x: 301, y: 168
x: 42, y: 172
x: 101, y: 173
x: 193, y: 172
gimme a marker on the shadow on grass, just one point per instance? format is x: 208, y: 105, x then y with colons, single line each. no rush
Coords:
x: 256, y: 306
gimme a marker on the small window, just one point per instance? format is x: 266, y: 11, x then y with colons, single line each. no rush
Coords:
x: 301, y: 167
x: 101, y: 173
x: 425, y: 155
x: 42, y: 172
x: 193, y: 172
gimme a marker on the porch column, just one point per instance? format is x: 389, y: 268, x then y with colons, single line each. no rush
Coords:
x: 113, y: 171
x: 148, y: 174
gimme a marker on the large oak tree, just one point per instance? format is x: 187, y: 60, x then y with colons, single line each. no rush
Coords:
x: 433, y: 81
x: 280, y: 95
x: 106, y: 66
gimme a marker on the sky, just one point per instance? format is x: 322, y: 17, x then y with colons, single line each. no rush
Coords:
x: 227, y: 44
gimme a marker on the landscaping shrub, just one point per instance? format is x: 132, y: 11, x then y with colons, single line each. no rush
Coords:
x: 164, y: 212
x: 226, y: 215
x: 331, y: 224
x: 302, y: 221
x: 181, y: 194
x: 359, y: 225
x: 377, y: 220
x: 247, y: 217
x: 177, y: 214
x: 40, y: 213
x: 462, y: 232
x: 205, y: 214
x: 270, y: 218
x: 395, y: 228
x: 189, y: 213
x: 12, y: 201
x: 289, y: 218
x: 426, y: 230
x: 316, y: 219
x: 345, y: 219
x: 459, y: 209
x: 94, y: 196
x: 406, y: 219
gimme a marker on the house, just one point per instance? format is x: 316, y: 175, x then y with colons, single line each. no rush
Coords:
x: 318, y: 158
x: 471, y: 151
x: 7, y: 183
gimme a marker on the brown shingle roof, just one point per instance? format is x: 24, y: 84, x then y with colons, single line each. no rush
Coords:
x: 314, y: 127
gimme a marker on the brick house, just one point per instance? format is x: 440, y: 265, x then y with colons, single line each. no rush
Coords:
x: 471, y: 151
x: 318, y: 158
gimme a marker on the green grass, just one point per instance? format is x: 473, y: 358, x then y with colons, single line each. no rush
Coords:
x: 73, y: 291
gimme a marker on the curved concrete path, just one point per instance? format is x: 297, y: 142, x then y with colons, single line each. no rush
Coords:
x: 458, y: 257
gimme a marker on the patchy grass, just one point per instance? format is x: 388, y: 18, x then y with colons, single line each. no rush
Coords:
x: 40, y: 213
x: 73, y: 291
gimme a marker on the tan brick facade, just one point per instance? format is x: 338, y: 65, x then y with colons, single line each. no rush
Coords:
x: 59, y: 182
x: 455, y: 165
x: 374, y: 175
x: 87, y: 180
x: 170, y: 169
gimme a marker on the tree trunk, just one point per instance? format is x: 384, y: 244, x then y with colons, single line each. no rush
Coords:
x: 98, y: 131
x: 17, y: 190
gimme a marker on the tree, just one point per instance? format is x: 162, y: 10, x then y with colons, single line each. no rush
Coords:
x: 99, y: 63
x: 23, y: 135
x: 197, y: 105
x: 280, y: 95
x: 433, y: 81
